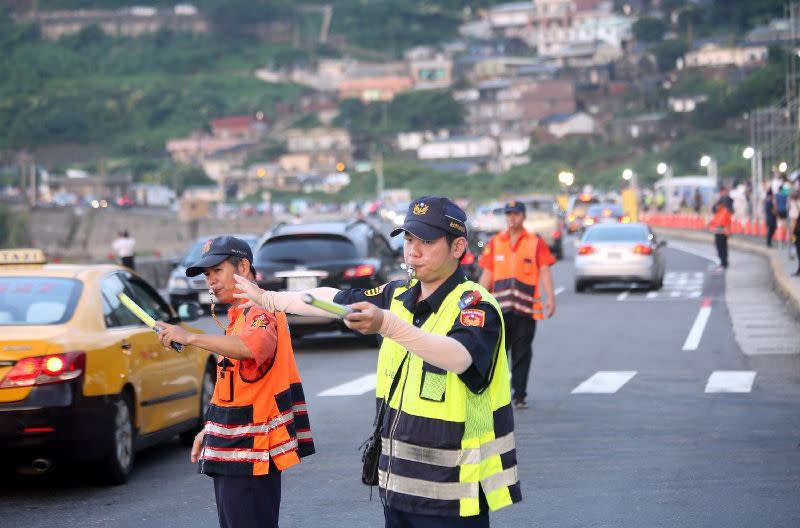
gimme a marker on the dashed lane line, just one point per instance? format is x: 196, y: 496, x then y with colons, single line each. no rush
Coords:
x: 604, y: 382
x: 355, y: 387
x: 696, y: 333
x: 738, y: 381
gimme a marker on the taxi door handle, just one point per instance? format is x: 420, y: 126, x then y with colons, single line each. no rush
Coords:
x: 126, y: 345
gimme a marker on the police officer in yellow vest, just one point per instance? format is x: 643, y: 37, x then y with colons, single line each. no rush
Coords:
x: 448, y: 450
x: 257, y: 423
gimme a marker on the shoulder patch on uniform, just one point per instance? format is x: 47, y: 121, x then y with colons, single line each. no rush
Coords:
x: 473, y: 317
x: 260, y: 321
x: 372, y: 292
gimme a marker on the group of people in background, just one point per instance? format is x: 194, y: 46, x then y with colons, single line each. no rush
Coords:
x: 782, y: 209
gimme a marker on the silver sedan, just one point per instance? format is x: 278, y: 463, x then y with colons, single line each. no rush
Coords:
x: 619, y: 253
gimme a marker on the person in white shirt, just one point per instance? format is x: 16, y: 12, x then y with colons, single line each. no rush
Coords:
x: 124, y: 246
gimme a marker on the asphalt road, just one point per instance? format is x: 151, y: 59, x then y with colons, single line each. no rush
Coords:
x: 627, y: 427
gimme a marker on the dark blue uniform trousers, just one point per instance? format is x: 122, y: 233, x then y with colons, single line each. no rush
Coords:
x: 401, y: 519
x: 248, y: 502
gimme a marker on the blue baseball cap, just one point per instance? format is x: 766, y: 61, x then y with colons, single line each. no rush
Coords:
x: 514, y: 207
x: 218, y: 249
x: 432, y: 217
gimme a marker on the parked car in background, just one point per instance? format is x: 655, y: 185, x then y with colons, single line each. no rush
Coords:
x: 182, y: 289
x: 81, y: 378
x: 339, y: 254
x: 619, y: 252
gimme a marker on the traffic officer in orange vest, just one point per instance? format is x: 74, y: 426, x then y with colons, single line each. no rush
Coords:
x: 257, y: 423
x: 720, y: 225
x: 448, y: 454
x: 516, y: 268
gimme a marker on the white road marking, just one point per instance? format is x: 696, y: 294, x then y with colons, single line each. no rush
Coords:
x: 558, y: 290
x: 696, y: 333
x: 624, y: 295
x: 731, y: 381
x: 352, y: 388
x: 605, y: 382
x: 652, y: 295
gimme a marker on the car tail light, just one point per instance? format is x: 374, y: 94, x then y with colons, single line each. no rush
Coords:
x: 606, y: 213
x: 468, y: 258
x: 571, y: 218
x: 364, y: 270
x: 585, y: 249
x: 625, y: 219
x: 589, y: 221
x: 642, y: 249
x: 41, y: 370
x: 557, y: 234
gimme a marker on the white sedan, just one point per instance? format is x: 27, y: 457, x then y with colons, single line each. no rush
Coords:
x: 619, y: 253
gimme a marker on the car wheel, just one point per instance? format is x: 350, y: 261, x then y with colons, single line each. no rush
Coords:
x: 580, y: 286
x: 118, y: 463
x: 206, y: 393
x: 657, y: 285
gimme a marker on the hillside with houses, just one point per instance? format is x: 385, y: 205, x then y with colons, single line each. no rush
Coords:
x: 292, y: 99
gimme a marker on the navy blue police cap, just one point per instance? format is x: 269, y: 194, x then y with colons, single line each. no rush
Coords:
x: 432, y: 217
x: 218, y: 249
x: 514, y: 207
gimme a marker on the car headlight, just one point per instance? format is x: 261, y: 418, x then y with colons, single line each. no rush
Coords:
x: 177, y: 283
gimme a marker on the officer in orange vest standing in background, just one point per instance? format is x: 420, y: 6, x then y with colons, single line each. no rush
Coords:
x: 721, y: 227
x: 257, y: 424
x: 516, y: 268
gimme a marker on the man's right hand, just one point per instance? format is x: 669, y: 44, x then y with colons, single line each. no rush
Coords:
x: 197, y: 445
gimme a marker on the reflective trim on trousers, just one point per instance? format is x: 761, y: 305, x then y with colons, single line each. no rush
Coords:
x: 505, y: 478
x: 447, y: 457
x: 427, y: 489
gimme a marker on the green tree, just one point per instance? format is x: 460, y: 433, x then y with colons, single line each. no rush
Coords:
x: 649, y: 29
x: 668, y: 52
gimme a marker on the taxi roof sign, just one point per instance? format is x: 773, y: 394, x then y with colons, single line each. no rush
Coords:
x: 22, y: 256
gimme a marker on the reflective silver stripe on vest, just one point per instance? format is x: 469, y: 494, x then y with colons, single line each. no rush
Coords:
x: 302, y: 435
x: 291, y: 445
x: 447, y: 457
x: 300, y: 408
x: 505, y: 478
x: 426, y: 488
x: 222, y: 430
x: 238, y: 455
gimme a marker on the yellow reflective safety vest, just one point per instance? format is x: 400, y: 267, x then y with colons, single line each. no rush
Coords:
x: 445, y: 448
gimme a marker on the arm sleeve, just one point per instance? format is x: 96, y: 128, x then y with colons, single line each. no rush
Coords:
x: 438, y: 350
x: 292, y: 302
x: 260, y: 335
x: 478, y: 330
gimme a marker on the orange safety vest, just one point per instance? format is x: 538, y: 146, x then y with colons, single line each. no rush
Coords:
x: 515, y: 275
x: 250, y: 422
x: 721, y: 223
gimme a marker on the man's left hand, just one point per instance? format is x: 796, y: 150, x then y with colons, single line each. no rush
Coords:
x: 170, y: 333
x: 367, y: 320
x: 550, y: 307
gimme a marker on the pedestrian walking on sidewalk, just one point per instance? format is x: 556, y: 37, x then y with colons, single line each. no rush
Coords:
x: 770, y: 216
x: 794, y: 214
x: 721, y: 227
x: 796, y: 230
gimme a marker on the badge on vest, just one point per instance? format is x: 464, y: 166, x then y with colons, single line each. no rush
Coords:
x: 473, y: 317
x: 372, y: 292
x: 260, y: 321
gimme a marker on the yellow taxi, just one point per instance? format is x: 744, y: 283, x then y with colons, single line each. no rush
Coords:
x: 81, y: 378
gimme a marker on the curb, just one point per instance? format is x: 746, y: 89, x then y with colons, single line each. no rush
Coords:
x: 782, y: 282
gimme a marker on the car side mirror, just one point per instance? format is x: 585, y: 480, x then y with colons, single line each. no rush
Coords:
x: 189, y: 311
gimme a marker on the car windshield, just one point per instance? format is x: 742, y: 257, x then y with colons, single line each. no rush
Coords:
x: 617, y: 233
x: 306, y: 249
x: 37, y: 300
x: 605, y: 210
